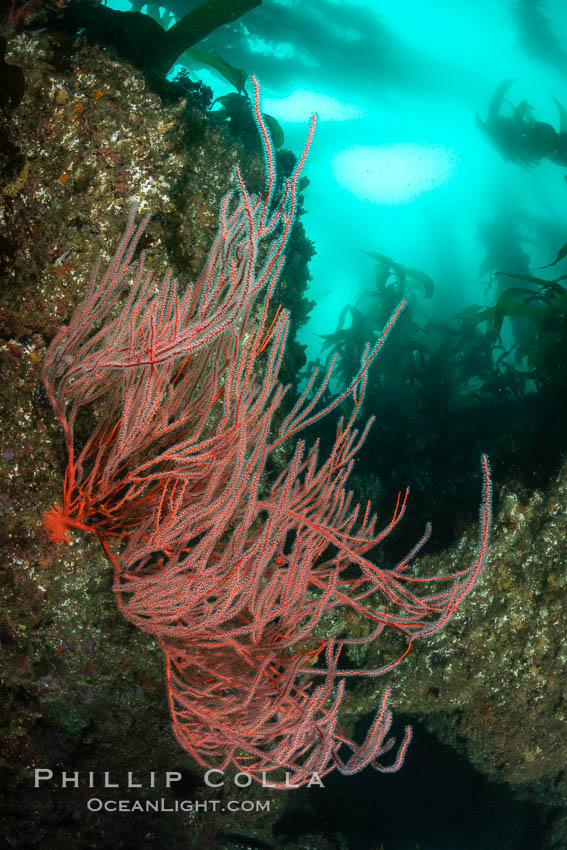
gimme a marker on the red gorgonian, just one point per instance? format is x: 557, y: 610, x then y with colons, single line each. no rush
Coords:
x: 234, y: 574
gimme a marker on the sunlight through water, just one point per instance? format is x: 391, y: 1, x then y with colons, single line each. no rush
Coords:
x: 394, y: 174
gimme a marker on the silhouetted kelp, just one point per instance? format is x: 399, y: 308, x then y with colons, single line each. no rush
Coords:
x: 141, y: 40
x: 518, y: 136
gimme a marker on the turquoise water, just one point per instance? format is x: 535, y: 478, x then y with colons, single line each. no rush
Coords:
x: 399, y: 165
x: 413, y: 173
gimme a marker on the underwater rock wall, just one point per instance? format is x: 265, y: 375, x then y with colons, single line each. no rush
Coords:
x: 84, y: 689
